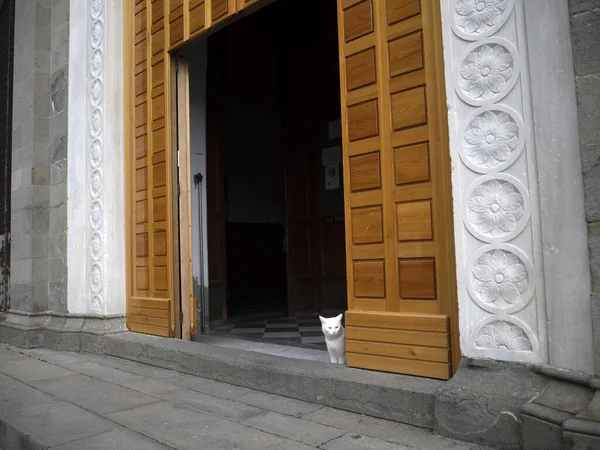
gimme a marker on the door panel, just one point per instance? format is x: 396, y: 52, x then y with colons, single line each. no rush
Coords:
x: 399, y: 225
x: 152, y: 224
x: 303, y: 289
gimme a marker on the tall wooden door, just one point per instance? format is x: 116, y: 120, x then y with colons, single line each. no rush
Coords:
x: 216, y: 197
x: 401, y: 307
x: 302, y: 282
x: 153, y: 276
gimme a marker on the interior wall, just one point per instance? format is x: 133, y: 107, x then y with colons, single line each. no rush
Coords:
x: 196, y: 56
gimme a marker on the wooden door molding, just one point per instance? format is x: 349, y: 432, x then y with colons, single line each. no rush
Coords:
x: 399, y: 225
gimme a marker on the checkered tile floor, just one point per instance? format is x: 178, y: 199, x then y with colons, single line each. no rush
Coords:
x: 289, y: 330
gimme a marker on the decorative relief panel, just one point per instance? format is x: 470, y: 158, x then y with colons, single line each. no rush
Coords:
x: 497, y: 233
x: 95, y: 155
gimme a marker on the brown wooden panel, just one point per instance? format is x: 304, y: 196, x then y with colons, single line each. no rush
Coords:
x: 365, y: 172
x: 141, y: 179
x: 148, y: 329
x: 176, y: 30
x: 367, y: 225
x: 148, y: 320
x: 360, y: 69
x: 369, y: 279
x: 158, y: 10
x: 363, y: 121
x: 159, y: 209
x: 159, y: 175
x: 195, y: 3
x: 141, y: 211
x: 148, y: 312
x: 417, y: 278
x: 160, y: 278
x: 141, y: 244
x: 197, y: 18
x: 358, y: 20
x: 411, y: 163
x: 142, y: 277
x: 219, y: 8
x: 398, y: 10
x: 141, y: 146
x: 158, y: 107
x: 406, y: 54
x: 398, y: 336
x: 413, y: 221
x: 141, y: 114
x: 160, y: 243
x: 159, y: 143
x: 369, y: 304
x: 141, y: 83
x: 140, y: 21
x: 158, y: 41
x: 141, y: 49
x: 398, y: 365
x: 158, y: 74
x: 401, y: 321
x: 399, y: 351
x: 408, y: 108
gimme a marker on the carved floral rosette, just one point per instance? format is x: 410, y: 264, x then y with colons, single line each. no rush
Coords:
x: 96, y: 154
x: 502, y: 314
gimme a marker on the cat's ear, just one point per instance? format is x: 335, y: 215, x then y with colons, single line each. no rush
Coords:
x: 339, y: 317
x: 322, y: 319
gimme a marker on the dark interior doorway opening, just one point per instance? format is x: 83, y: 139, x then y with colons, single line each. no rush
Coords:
x: 274, y: 183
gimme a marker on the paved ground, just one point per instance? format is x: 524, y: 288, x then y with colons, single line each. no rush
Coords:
x: 73, y: 401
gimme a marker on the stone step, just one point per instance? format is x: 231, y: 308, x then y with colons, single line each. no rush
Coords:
x: 398, y: 398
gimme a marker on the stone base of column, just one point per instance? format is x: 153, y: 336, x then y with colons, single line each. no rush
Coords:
x: 482, y: 402
x: 67, y: 332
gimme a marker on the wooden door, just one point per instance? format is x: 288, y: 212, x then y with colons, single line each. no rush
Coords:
x: 152, y: 241
x: 303, y: 292
x: 401, y: 277
x: 216, y: 197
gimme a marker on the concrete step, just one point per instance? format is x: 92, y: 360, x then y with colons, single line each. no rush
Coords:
x: 398, y: 398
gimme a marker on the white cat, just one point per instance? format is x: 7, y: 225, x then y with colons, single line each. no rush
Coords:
x: 335, y: 338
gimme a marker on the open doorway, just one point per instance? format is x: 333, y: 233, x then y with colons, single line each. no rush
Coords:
x: 266, y: 150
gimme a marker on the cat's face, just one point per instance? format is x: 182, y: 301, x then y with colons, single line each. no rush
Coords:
x: 332, y: 326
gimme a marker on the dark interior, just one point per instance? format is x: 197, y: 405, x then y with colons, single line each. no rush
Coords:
x: 272, y: 91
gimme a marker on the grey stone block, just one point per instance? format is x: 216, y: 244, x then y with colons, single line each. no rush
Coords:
x: 24, y: 22
x: 58, y: 218
x: 58, y: 173
x: 120, y: 439
x: 93, y: 395
x: 541, y: 434
x: 353, y: 441
x: 293, y: 428
x: 589, y: 109
x: 594, y: 252
x: 190, y: 431
x: 57, y: 270
x: 590, y: 159
x: 385, y: 430
x: 57, y: 424
x: 57, y: 194
x: 578, y: 441
x: 276, y: 403
x: 585, y: 38
x: 483, y: 400
x: 15, y: 395
x: 395, y: 397
x: 22, y: 7
x: 211, y: 387
x: 30, y: 370
x: 57, y: 244
x: 23, y: 110
x: 579, y: 6
x: 213, y: 405
x: 43, y: 18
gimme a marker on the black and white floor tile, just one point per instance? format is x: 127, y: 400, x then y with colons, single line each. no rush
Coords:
x: 288, y: 330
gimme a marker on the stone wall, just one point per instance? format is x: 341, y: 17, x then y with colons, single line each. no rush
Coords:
x: 585, y: 35
x: 7, y: 8
x: 39, y: 156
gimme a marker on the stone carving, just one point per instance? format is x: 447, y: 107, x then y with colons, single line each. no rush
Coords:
x: 490, y: 139
x: 503, y: 335
x: 95, y: 153
x: 486, y: 71
x: 495, y: 208
x: 475, y: 17
x: 96, y: 150
x: 500, y: 275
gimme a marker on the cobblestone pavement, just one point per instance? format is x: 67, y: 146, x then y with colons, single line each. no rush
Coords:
x: 79, y: 401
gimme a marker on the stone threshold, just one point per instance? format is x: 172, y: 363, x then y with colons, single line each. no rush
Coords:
x: 398, y: 398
